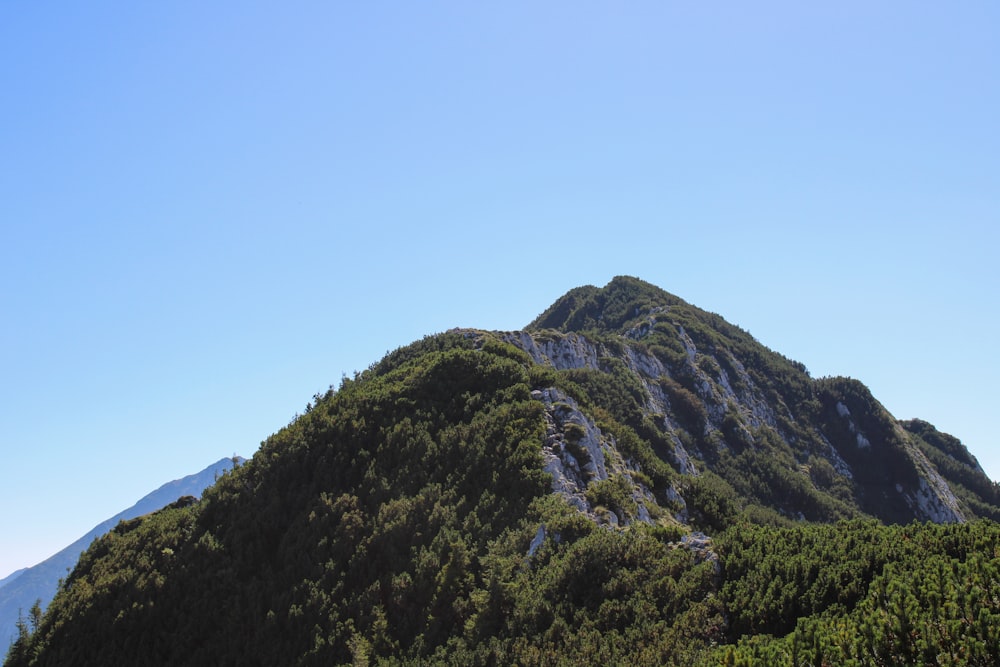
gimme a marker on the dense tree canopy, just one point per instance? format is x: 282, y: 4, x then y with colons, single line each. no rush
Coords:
x: 742, y: 513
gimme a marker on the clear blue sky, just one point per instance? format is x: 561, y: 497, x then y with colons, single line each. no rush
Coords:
x: 211, y: 211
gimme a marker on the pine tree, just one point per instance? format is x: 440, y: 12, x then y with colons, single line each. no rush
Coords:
x: 17, y: 654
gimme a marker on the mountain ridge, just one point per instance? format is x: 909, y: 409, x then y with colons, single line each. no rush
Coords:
x: 628, y: 479
x: 20, y: 590
x: 711, y: 357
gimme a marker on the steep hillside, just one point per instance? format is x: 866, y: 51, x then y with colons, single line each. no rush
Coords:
x: 39, y: 582
x: 628, y: 480
x: 718, y: 401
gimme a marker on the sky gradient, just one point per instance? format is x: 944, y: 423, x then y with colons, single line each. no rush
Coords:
x: 210, y: 212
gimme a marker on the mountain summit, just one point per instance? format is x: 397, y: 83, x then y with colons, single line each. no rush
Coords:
x: 629, y: 479
x: 823, y: 449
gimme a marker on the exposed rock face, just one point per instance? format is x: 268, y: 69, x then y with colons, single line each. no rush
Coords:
x: 571, y: 470
x: 737, y: 410
x: 577, y: 454
x: 861, y: 438
x: 932, y: 498
x: 701, y: 545
x: 722, y: 402
x: 561, y: 352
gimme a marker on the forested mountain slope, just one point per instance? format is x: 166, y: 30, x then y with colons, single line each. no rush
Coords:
x: 39, y: 582
x: 629, y: 479
x: 822, y: 449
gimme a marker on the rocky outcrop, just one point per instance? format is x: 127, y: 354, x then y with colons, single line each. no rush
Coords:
x: 577, y: 454
x: 559, y: 351
x: 932, y: 499
x: 736, y: 412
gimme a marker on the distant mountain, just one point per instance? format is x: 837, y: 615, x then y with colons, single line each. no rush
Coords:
x: 628, y: 480
x: 12, y: 576
x: 20, y: 590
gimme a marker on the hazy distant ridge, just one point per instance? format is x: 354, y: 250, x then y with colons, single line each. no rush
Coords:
x: 19, y: 590
x: 12, y: 576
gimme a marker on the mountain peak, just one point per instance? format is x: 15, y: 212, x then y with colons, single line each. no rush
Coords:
x: 609, y: 308
x: 482, y: 497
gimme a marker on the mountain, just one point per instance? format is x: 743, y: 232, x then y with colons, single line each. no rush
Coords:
x: 12, y: 576
x: 825, y: 449
x: 20, y: 590
x: 629, y: 479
